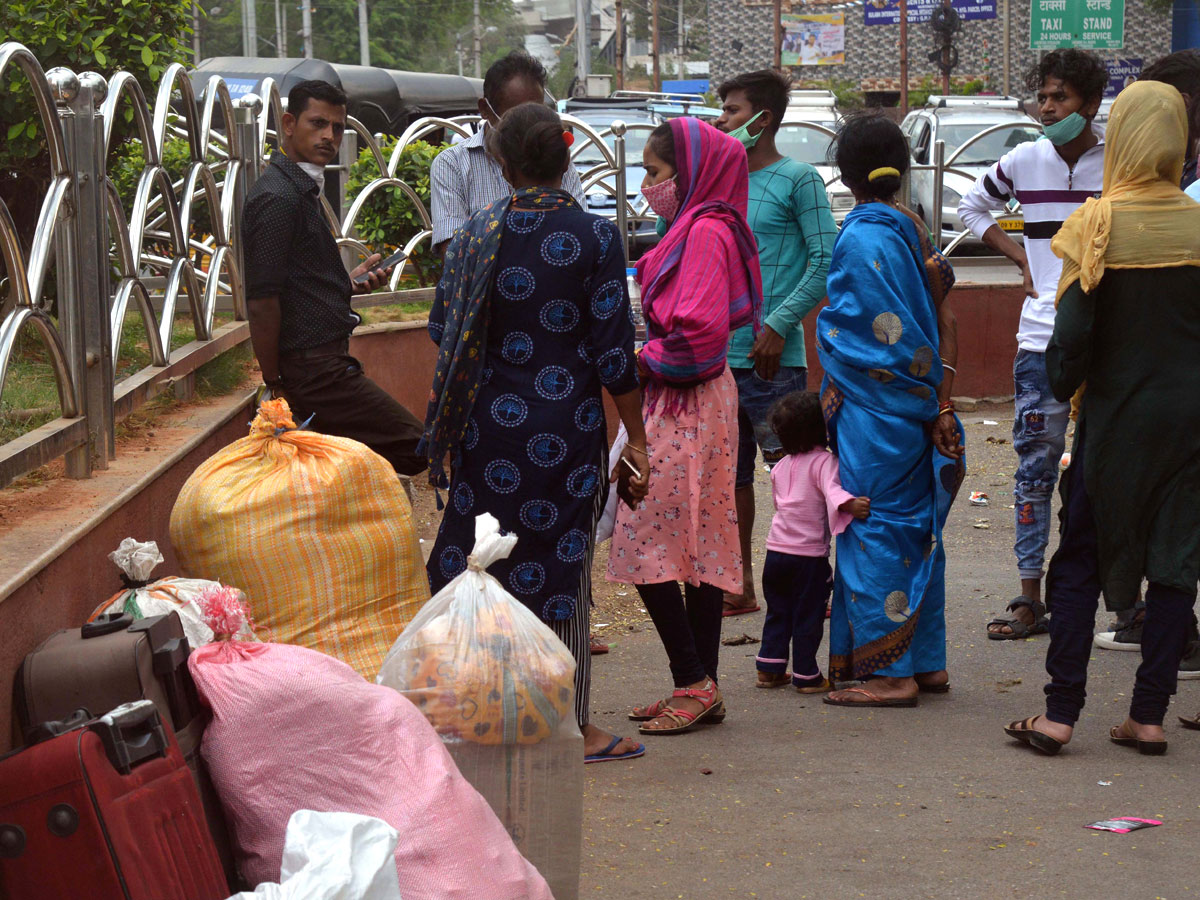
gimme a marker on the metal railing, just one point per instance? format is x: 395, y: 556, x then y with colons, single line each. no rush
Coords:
x: 941, y: 166
x: 106, y: 262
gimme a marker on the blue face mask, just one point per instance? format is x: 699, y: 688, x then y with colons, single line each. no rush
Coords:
x: 1065, y: 131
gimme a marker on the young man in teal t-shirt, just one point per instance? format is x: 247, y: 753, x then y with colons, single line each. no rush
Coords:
x: 789, y: 214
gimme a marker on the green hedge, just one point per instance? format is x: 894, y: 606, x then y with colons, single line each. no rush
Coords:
x: 125, y: 166
x: 389, y: 218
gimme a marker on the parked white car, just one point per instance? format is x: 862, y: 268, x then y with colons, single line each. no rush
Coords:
x: 803, y: 135
x: 640, y: 121
x: 958, y: 121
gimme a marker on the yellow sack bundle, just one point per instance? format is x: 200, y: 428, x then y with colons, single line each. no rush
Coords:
x: 316, y: 531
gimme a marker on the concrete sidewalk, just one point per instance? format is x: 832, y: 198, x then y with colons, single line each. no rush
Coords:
x: 804, y: 800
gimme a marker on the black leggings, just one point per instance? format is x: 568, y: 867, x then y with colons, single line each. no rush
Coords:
x: 690, y: 634
x: 1073, y: 596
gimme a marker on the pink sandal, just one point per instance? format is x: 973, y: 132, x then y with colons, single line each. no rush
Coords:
x: 653, y: 711
x: 682, y: 720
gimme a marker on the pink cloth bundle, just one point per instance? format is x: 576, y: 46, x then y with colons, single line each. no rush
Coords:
x: 295, y: 729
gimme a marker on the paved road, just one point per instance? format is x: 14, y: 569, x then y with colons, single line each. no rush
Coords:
x: 811, y: 801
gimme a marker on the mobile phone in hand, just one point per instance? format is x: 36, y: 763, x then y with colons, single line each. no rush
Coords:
x: 632, y: 468
x: 385, y: 264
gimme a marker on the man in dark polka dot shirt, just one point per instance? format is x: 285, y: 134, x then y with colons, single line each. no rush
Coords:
x: 299, y: 291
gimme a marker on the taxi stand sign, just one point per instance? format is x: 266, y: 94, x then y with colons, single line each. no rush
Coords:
x: 1084, y: 24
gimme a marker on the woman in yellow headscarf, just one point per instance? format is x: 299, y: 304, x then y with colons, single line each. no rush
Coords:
x: 1128, y: 324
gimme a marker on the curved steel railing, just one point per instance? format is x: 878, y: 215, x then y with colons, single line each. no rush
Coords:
x: 160, y: 260
x: 27, y: 274
x: 941, y: 166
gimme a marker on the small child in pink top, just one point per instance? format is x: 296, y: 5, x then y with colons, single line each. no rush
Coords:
x: 810, y: 506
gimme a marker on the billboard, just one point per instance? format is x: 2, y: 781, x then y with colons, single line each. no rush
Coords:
x: 1121, y: 74
x: 887, y: 12
x: 1085, y: 24
x: 812, y: 39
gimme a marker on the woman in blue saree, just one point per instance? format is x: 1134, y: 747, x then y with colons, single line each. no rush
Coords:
x: 888, y: 345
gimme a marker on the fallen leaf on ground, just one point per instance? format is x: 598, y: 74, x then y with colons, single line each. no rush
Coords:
x: 739, y: 640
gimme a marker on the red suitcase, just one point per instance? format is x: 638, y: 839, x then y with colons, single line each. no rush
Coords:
x: 115, y: 660
x: 107, y: 809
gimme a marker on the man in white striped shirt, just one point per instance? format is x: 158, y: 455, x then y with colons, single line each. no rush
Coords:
x: 465, y: 178
x: 1050, y: 178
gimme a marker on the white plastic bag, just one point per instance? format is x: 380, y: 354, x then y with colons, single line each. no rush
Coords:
x: 334, y: 856
x: 499, y: 687
x: 136, y: 559
x: 143, y: 598
x: 480, y: 664
x: 608, y: 520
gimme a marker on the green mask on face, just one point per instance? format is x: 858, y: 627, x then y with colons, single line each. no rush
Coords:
x: 1065, y: 131
x: 743, y: 134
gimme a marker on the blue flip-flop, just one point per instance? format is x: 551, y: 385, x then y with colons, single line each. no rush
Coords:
x: 605, y: 754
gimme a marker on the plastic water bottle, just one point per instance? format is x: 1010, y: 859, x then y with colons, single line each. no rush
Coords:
x: 635, y: 305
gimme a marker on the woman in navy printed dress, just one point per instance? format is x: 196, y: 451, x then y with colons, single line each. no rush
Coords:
x: 532, y: 318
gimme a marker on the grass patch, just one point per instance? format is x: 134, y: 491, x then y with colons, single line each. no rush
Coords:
x: 30, y: 396
x: 395, y: 312
x: 226, y: 373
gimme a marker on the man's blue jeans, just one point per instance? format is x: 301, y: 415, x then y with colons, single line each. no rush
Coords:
x: 755, y: 397
x: 1039, y: 437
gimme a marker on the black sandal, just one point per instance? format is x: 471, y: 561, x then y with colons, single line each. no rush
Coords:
x: 1118, y: 736
x: 1018, y: 630
x: 1024, y: 732
x: 1193, y: 722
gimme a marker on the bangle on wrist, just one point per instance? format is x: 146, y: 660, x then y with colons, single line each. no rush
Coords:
x: 947, y: 407
x: 644, y: 453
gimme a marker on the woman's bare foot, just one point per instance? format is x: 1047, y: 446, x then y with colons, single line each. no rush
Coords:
x: 1131, y: 729
x: 881, y: 688
x: 736, y: 604
x: 1060, y: 732
x: 1022, y: 613
x: 932, y: 680
x: 1040, y: 734
x: 596, y: 739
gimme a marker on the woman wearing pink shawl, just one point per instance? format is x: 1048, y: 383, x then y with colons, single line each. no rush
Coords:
x: 699, y: 284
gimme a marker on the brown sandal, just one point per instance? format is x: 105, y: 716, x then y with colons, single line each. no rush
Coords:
x: 1122, y: 738
x: 872, y: 699
x: 682, y: 720
x: 773, y: 679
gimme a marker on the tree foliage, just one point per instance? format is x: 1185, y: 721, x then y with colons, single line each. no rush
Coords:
x: 127, y: 162
x: 414, y: 35
x: 140, y: 36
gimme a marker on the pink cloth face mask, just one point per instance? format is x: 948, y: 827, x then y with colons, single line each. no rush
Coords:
x: 663, y: 198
